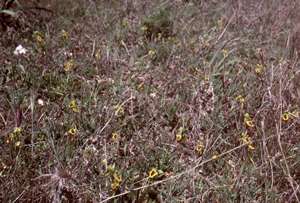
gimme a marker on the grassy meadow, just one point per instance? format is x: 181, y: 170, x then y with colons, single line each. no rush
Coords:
x: 149, y: 101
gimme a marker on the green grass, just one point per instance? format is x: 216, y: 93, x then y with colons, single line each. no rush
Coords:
x: 160, y: 101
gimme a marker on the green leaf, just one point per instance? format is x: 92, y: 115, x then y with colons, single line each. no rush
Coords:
x: 8, y: 12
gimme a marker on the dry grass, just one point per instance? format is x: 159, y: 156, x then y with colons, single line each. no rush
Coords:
x: 157, y: 101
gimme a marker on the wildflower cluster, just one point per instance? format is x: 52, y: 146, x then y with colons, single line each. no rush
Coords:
x: 286, y: 116
x: 72, y: 131
x: 20, y: 50
x: 248, y: 120
x: 259, y: 68
x: 119, y: 110
x: 69, y: 65
x: 14, y: 137
x: 200, y: 148
x: 180, y: 136
x: 114, y: 174
x: 115, y: 136
x: 152, y: 173
x: 151, y: 53
x: 240, y: 99
x: 111, y: 168
x: 215, y: 156
x: 39, y: 38
x: 64, y: 35
x: 73, y: 106
x: 225, y: 53
x: 116, y: 181
x: 247, y: 140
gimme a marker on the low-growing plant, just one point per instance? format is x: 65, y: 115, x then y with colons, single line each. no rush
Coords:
x: 158, y: 25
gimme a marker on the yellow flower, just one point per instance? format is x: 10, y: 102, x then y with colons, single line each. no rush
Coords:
x: 225, y: 53
x: 104, y: 162
x: 119, y: 110
x: 18, y: 144
x: 117, y: 177
x: 152, y: 173
x: 199, y: 148
x: 115, y: 136
x: 180, y: 136
x: 240, y: 99
x: 151, y: 53
x: 64, y: 34
x: 111, y: 168
x: 285, y: 116
x: 115, y: 185
x: 259, y: 68
x: 248, y: 120
x: 98, y: 54
x: 289, y: 115
x: 251, y: 147
x: 39, y: 38
x: 214, y: 157
x: 14, y: 136
x: 144, y: 28
x: 247, y: 140
x: 73, y: 106
x: 17, y: 130
x: 140, y: 86
x: 249, y: 123
x: 72, y: 131
x: 68, y: 65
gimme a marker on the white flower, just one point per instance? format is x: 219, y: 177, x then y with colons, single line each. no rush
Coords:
x: 68, y: 54
x: 20, y: 50
x: 40, y: 102
x: 153, y: 94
